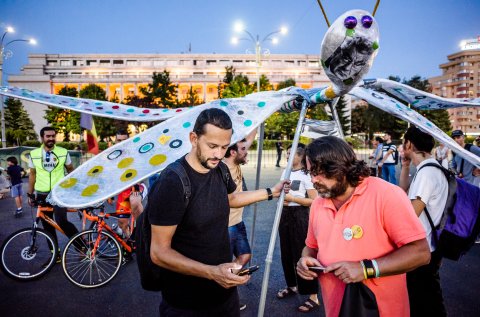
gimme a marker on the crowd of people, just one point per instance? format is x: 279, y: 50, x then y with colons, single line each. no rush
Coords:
x: 351, y: 221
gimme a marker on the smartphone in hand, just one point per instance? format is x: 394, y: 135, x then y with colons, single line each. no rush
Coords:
x: 248, y: 270
x: 317, y: 269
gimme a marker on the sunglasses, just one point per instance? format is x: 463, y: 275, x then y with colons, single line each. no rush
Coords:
x: 47, y: 156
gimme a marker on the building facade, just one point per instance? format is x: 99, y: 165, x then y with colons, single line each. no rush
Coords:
x: 461, y: 79
x: 121, y: 75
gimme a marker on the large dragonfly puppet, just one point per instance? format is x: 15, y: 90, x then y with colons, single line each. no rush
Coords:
x: 347, y: 53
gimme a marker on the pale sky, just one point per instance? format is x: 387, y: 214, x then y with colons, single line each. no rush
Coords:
x: 415, y: 35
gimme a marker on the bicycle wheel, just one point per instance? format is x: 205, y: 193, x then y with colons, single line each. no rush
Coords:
x: 25, y: 256
x: 88, y: 271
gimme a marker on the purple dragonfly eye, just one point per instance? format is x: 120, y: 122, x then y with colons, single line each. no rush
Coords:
x: 367, y: 21
x: 350, y: 22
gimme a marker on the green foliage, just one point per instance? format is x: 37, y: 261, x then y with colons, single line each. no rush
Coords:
x: 32, y: 143
x: 229, y: 74
x: 63, y: 120
x: 18, y: 125
x: 281, y: 124
x: 287, y: 83
x: 191, y: 99
x: 161, y: 91
x: 105, y: 127
x: 239, y: 87
x: 265, y: 83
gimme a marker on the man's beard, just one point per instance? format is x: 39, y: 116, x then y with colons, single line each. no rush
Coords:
x: 241, y: 161
x: 336, y: 190
x: 204, y: 161
x: 49, y: 144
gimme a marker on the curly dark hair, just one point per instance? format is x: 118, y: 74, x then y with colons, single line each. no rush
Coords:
x: 334, y: 158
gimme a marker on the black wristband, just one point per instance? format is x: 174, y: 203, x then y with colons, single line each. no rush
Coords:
x: 269, y: 193
x: 369, y: 268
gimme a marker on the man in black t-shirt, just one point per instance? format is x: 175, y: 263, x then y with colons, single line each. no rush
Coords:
x: 192, y: 243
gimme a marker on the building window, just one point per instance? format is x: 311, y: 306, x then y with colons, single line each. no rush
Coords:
x: 104, y: 62
x: 117, y: 62
x: 132, y: 63
x: 92, y: 62
x: 52, y: 63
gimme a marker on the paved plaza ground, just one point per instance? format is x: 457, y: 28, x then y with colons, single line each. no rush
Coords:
x: 53, y: 295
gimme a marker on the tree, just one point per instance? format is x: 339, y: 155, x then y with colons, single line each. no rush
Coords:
x: 282, y: 123
x: 287, y: 83
x: 105, y: 127
x: 63, y: 120
x: 18, y: 125
x: 191, y: 99
x: 161, y: 91
x: 239, y: 87
x: 265, y: 83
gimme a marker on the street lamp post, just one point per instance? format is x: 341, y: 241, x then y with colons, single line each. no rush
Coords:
x: 258, y: 45
x: 4, y: 53
x: 261, y: 131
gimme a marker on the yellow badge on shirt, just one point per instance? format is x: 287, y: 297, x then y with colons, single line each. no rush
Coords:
x: 357, y: 231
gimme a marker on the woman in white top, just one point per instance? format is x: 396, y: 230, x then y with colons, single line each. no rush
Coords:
x: 293, y: 231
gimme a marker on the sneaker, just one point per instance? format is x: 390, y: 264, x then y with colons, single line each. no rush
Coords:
x: 243, y: 306
x: 18, y: 213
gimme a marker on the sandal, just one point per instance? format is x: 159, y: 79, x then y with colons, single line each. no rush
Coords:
x: 308, y: 306
x: 285, y: 292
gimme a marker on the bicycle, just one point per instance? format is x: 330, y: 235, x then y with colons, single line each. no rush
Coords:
x: 93, y: 257
x: 30, y: 253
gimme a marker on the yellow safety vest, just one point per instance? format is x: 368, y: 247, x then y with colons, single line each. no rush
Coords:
x: 45, y: 180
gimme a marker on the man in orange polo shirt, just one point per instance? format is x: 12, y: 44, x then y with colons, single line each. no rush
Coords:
x: 361, y: 229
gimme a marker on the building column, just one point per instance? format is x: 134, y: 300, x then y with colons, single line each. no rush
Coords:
x: 204, y: 92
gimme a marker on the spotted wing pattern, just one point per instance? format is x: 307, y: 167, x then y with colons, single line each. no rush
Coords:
x: 135, y: 159
x: 94, y: 107
x: 420, y: 99
x: 399, y: 110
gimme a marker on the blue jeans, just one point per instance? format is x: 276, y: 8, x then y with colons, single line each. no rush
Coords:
x: 238, y: 239
x: 388, y: 173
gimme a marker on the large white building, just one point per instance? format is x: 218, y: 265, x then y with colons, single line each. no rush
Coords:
x: 123, y: 74
x: 461, y: 79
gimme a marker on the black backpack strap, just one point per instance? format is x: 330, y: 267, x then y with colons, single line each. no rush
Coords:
x: 450, y: 203
x: 434, y: 229
x: 225, y: 173
x: 178, y: 168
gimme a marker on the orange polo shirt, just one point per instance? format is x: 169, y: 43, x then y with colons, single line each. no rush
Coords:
x: 388, y: 221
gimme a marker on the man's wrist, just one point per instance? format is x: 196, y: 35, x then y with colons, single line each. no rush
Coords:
x: 269, y: 193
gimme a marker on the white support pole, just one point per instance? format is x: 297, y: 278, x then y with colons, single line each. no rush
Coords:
x: 261, y: 135
x: 333, y: 107
x: 278, y: 213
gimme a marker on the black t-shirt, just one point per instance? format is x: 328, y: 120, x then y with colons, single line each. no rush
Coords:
x: 201, y: 234
x: 15, y: 173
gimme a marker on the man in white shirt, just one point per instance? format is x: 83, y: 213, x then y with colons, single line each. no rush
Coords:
x: 428, y: 190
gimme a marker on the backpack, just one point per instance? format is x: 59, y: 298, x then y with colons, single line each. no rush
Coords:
x: 150, y: 273
x: 460, y: 222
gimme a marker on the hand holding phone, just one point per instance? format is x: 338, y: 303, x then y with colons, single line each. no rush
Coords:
x: 247, y: 270
x: 317, y: 269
